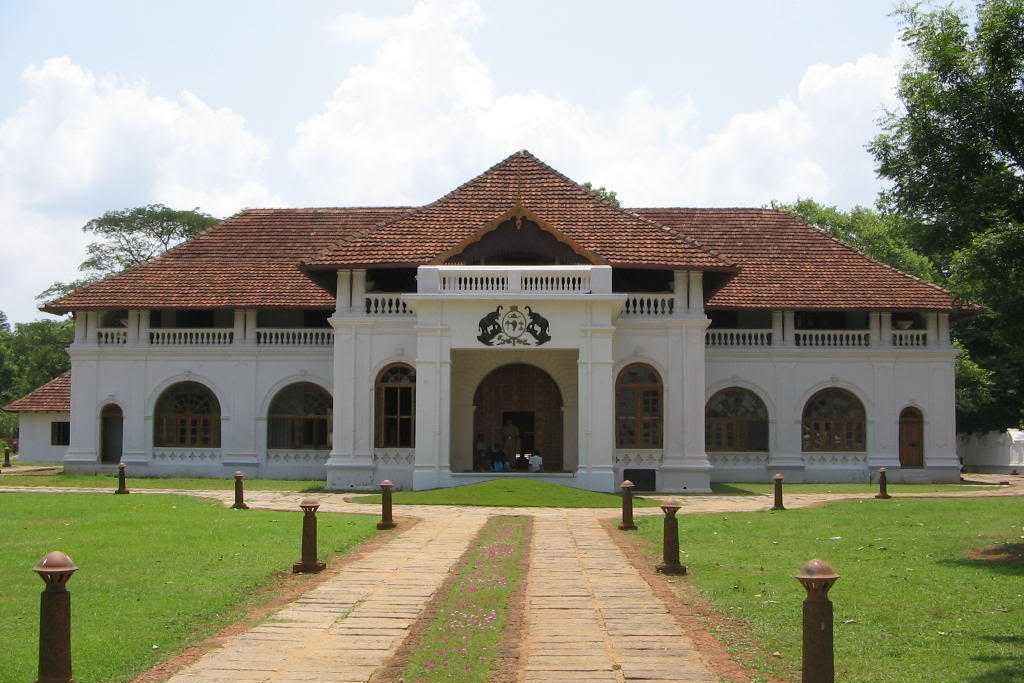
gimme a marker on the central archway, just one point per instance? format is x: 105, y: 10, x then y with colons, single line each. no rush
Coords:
x: 527, y: 397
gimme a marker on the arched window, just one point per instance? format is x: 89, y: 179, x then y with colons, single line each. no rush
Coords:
x: 735, y: 419
x: 300, y: 417
x: 396, y: 407
x: 187, y: 414
x: 834, y: 420
x: 638, y: 407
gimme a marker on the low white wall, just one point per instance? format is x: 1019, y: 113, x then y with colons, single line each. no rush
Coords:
x: 34, y: 437
x: 992, y: 451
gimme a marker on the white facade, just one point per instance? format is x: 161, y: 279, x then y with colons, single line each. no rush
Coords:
x: 1001, y: 452
x: 35, y: 437
x: 594, y: 333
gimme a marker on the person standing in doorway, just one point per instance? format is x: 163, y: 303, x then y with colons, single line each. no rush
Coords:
x: 510, y: 441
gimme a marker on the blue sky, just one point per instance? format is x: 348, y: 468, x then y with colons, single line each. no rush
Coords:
x: 223, y: 105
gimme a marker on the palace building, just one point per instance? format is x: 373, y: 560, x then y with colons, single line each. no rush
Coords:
x: 519, y: 324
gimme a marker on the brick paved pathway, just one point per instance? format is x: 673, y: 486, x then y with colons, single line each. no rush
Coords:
x: 347, y: 627
x: 591, y: 617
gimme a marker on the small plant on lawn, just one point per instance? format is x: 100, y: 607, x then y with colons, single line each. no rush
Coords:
x: 461, y: 643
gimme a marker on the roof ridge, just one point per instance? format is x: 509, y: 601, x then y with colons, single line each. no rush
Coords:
x: 12, y: 406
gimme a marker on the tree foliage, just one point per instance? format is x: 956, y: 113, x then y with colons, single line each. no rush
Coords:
x: 31, y: 355
x: 954, y: 158
x: 602, y: 193
x: 131, y: 237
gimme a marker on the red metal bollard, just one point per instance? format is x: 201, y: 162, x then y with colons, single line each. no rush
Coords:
x: 239, y: 493
x: 55, y: 618
x: 386, y: 519
x: 627, y: 506
x: 818, y: 665
x: 122, y: 486
x: 670, y: 541
x: 309, y: 564
x: 883, y: 485
x: 778, y: 478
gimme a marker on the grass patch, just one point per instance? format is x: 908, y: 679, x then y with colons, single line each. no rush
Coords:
x: 156, y: 573
x: 915, y: 603
x: 509, y: 493
x: 185, y: 483
x: 741, y: 489
x: 461, y: 642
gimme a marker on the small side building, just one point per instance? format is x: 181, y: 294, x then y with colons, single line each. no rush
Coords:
x: 997, y: 452
x: 44, y: 421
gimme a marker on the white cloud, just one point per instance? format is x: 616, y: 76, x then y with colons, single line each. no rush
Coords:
x: 424, y: 113
x: 80, y: 144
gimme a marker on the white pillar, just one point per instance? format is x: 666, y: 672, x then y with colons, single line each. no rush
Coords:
x: 238, y: 336
x: 343, y: 299
x: 433, y: 398
x: 144, y: 327
x: 596, y: 407
x: 777, y: 327
x: 942, y: 339
x: 786, y: 454
x: 359, y: 292
x: 689, y: 470
x: 250, y: 326
x: 348, y: 467
x: 133, y: 328
x: 82, y: 454
x: 788, y: 328
x: 696, y: 292
x: 680, y: 291
x: 885, y: 329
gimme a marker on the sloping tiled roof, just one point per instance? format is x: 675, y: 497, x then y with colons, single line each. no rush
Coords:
x: 521, y: 184
x: 249, y: 260
x: 269, y: 258
x: 786, y: 263
x: 54, y: 396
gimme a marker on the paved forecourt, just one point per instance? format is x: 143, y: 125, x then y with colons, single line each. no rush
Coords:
x: 347, y: 627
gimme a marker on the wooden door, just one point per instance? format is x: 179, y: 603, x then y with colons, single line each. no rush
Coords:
x: 111, y: 434
x: 911, y: 438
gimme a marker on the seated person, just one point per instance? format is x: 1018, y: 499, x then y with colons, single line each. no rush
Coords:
x: 536, y: 463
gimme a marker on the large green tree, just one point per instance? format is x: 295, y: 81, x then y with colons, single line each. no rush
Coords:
x: 131, y: 237
x: 954, y: 158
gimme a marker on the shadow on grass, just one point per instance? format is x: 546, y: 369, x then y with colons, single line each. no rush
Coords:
x: 731, y: 490
x: 1007, y: 667
x: 1005, y: 558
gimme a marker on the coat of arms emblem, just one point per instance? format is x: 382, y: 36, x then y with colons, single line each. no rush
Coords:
x: 513, y: 327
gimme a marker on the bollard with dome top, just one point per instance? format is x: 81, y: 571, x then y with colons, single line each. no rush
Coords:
x: 818, y: 663
x: 670, y: 541
x: 55, y: 569
x: 627, y: 506
x: 309, y: 563
x: 387, y: 521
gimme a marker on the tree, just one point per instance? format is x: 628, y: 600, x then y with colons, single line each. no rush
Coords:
x: 131, y: 237
x: 602, y: 193
x: 30, y: 356
x: 954, y: 157
x: 5, y: 324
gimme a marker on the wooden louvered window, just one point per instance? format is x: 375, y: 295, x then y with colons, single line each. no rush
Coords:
x: 834, y: 420
x: 735, y: 420
x: 638, y: 407
x: 187, y: 414
x: 300, y: 417
x: 396, y: 407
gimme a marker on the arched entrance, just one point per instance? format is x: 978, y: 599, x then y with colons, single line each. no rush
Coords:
x: 111, y: 433
x: 911, y: 438
x: 523, y: 402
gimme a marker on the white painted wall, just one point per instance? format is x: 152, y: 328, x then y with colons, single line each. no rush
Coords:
x: 993, y: 451
x: 34, y: 437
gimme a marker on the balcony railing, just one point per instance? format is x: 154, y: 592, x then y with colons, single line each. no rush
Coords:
x: 111, y: 336
x: 387, y: 304
x: 649, y: 306
x: 299, y: 336
x: 198, y: 336
x: 909, y: 338
x: 832, y: 338
x: 741, y: 338
x: 516, y: 280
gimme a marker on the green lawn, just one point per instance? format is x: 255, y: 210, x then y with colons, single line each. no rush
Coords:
x: 156, y: 573
x: 508, y: 493
x: 740, y: 489
x: 194, y: 483
x: 461, y: 642
x: 911, y: 606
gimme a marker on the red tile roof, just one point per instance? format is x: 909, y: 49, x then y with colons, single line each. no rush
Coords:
x: 249, y: 260
x: 54, y: 396
x: 269, y: 258
x: 786, y: 263
x: 524, y: 185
